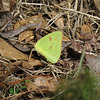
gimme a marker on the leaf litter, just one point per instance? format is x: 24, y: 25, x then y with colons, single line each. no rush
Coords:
x: 80, y: 24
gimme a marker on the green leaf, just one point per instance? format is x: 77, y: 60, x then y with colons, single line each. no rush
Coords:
x: 27, y: 80
x: 50, y: 46
x: 17, y: 90
x: 12, y: 91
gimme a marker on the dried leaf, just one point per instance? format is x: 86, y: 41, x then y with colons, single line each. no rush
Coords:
x: 29, y: 39
x: 65, y: 38
x: 49, y: 83
x: 34, y: 62
x: 26, y: 65
x: 21, y: 47
x: 93, y: 63
x: 60, y: 23
x: 86, y: 32
x: 17, y: 63
x: 17, y: 31
x: 31, y: 86
x: 42, y: 84
x: 7, y: 51
x: 25, y: 35
x: 34, y: 19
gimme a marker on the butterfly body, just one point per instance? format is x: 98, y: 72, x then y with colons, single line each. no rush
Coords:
x: 50, y: 46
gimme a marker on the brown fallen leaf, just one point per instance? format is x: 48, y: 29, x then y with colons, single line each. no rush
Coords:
x: 34, y: 62
x: 31, y: 86
x: 29, y: 39
x: 49, y: 83
x: 42, y: 84
x: 93, y: 63
x: 25, y: 35
x: 86, y: 32
x: 26, y: 65
x: 17, y: 63
x: 17, y: 31
x: 60, y: 23
x: 34, y: 19
x: 65, y: 38
x: 28, y: 35
x: 20, y: 46
x: 7, y: 51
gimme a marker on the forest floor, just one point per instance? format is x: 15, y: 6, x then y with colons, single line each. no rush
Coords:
x: 49, y: 50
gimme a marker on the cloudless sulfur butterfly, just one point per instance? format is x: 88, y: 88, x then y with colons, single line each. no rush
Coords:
x: 50, y: 46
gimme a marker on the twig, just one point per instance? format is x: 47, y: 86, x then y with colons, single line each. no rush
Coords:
x: 76, y: 5
x: 37, y: 4
x: 72, y: 10
x: 81, y: 13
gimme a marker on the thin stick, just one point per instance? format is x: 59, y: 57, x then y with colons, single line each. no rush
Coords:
x: 81, y: 13
x: 72, y: 10
x: 37, y: 4
x: 63, y: 9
